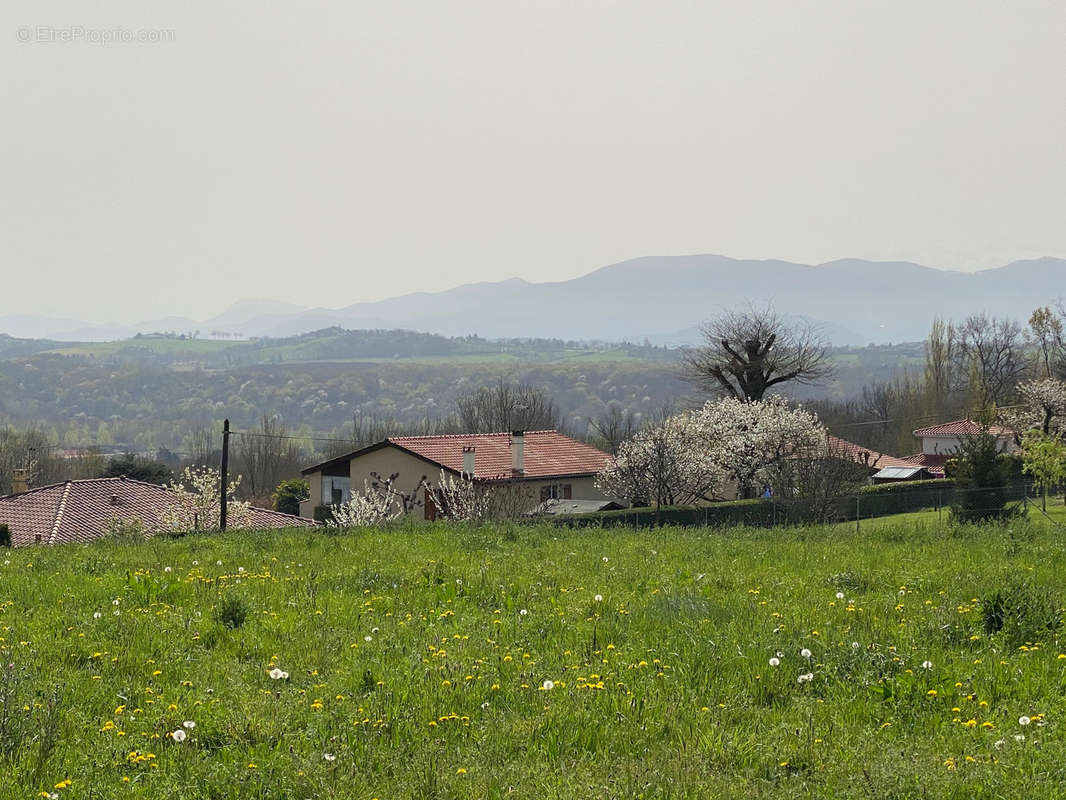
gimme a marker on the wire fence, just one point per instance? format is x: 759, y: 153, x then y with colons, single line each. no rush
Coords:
x: 875, y: 502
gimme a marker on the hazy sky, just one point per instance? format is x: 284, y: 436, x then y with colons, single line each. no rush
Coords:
x: 334, y: 152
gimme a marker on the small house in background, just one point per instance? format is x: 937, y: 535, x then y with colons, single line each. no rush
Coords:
x: 545, y: 464
x: 555, y: 508
x: 872, y: 460
x: 943, y: 442
x: 85, y: 510
x: 894, y: 474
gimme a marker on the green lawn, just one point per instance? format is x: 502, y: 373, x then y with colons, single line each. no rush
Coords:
x: 538, y: 662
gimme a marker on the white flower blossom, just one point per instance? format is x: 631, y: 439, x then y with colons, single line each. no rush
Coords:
x: 196, y: 502
x: 178, y: 735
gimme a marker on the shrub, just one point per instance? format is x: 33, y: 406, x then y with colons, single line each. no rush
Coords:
x: 323, y: 514
x: 5, y: 536
x: 289, y: 494
x: 1020, y: 612
x: 232, y: 611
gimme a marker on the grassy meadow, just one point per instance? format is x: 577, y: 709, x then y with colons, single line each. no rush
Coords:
x: 906, y: 661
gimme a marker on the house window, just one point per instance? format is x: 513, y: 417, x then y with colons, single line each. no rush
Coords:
x: 556, y: 491
x: 336, y: 489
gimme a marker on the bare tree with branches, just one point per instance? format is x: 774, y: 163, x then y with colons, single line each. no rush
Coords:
x: 749, y: 352
x: 989, y: 357
x: 265, y: 456
x: 613, y: 427
x: 507, y: 406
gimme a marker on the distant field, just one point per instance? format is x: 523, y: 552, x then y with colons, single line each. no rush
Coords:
x: 188, y: 348
x: 434, y: 662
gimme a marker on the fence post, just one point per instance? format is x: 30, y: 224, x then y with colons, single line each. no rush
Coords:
x: 224, y: 477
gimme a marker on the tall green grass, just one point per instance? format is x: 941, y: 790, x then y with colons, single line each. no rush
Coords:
x: 417, y: 661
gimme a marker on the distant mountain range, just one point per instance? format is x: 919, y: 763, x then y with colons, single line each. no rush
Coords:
x: 662, y: 298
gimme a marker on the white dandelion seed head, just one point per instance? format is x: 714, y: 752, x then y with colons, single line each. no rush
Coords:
x: 805, y: 653
x: 775, y: 661
x: 368, y: 638
x: 855, y: 645
x: 97, y: 615
x: 927, y: 665
x: 329, y: 757
x: 114, y: 602
x: 178, y: 735
x: 605, y: 559
x: 196, y: 563
x: 598, y: 598
x: 117, y: 613
x: 1019, y: 737
x: 218, y: 563
x: 190, y: 724
x: 549, y: 685
x: 523, y: 612
x: 779, y: 654
x: 277, y: 674
x: 375, y: 630
x: 840, y: 595
x: 1024, y: 721
x: 284, y: 676
x: 240, y: 569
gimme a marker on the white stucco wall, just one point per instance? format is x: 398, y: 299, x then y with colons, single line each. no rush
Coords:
x: 410, y: 470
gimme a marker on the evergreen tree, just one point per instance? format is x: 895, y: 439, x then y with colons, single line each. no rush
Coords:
x: 982, y: 474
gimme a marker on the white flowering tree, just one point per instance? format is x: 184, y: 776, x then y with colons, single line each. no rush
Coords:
x: 664, y: 463
x: 460, y: 498
x: 379, y: 502
x: 745, y: 440
x: 696, y: 455
x: 197, y: 502
x: 1042, y: 408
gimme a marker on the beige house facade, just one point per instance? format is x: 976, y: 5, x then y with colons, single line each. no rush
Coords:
x: 534, y: 466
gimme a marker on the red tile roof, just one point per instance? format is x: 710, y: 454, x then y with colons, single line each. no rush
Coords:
x: 934, y: 462
x: 83, y: 510
x: 864, y: 455
x: 547, y: 454
x: 960, y: 427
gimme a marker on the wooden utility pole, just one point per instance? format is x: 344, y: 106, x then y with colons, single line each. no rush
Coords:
x: 225, y: 476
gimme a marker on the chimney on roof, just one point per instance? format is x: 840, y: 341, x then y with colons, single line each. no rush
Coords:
x: 468, y: 462
x: 518, y: 451
x: 115, y: 501
x: 20, y: 481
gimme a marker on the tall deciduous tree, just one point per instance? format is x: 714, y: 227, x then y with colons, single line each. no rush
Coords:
x: 1046, y: 335
x: 506, y: 406
x: 747, y: 353
x: 989, y: 356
